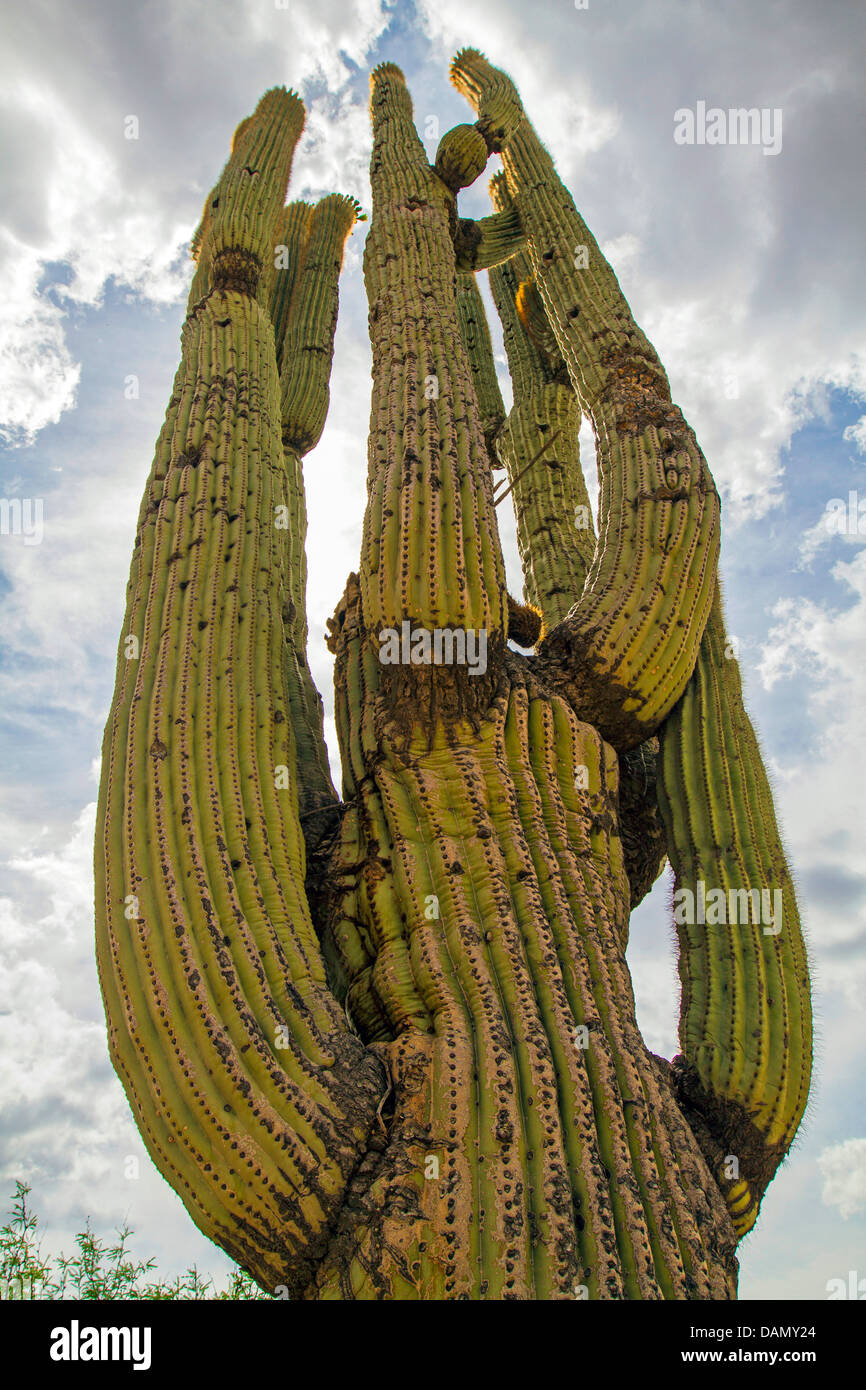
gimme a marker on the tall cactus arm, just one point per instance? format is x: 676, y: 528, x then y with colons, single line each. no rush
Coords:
x: 253, y: 1098
x: 308, y: 342
x: 539, y: 448
x: 745, y: 1025
x: 430, y: 549
x: 554, y: 521
x: 475, y: 334
x: 460, y: 158
x: 489, y: 241
x: 282, y: 272
x: 626, y: 651
x: 303, y: 309
x: 554, y: 524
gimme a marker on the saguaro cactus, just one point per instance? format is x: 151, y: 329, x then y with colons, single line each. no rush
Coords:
x: 384, y: 1045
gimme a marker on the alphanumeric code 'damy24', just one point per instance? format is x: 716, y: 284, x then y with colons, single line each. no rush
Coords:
x: 383, y: 1045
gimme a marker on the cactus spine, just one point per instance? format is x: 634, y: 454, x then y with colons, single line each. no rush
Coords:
x: 385, y: 1046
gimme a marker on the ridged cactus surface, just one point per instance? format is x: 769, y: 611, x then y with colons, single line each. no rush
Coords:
x: 746, y: 1025
x: 628, y: 649
x: 383, y: 1044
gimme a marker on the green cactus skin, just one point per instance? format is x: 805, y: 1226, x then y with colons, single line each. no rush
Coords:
x: 555, y: 532
x: 482, y: 901
x: 461, y: 157
x: 475, y: 334
x: 303, y: 308
x: 489, y: 241
x: 250, y: 1091
x: 308, y: 343
x: 745, y: 1026
x: 485, y: 1002
x: 430, y: 548
x: 277, y: 286
x: 421, y: 1076
x: 235, y: 237
x: 629, y: 648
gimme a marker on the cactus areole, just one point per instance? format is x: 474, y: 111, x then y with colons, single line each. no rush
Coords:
x: 383, y: 1044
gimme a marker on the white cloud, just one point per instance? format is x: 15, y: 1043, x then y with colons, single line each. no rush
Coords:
x: 730, y: 291
x: 59, y: 619
x: 334, y: 151
x: 38, y: 377
x: 820, y: 794
x: 843, y: 1167
x: 826, y: 642
x: 841, y: 517
x: 68, y: 1130
x: 52, y: 1036
x: 110, y: 208
x: 856, y: 434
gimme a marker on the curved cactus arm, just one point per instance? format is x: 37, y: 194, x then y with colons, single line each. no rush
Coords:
x: 253, y: 1098
x: 745, y: 1025
x: 625, y: 653
x: 489, y: 241
x: 554, y: 522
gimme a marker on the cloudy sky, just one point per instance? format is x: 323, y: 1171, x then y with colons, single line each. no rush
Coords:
x: 745, y: 268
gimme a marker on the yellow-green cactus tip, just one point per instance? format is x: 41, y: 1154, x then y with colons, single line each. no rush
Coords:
x: 383, y: 70
x: 463, y: 55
